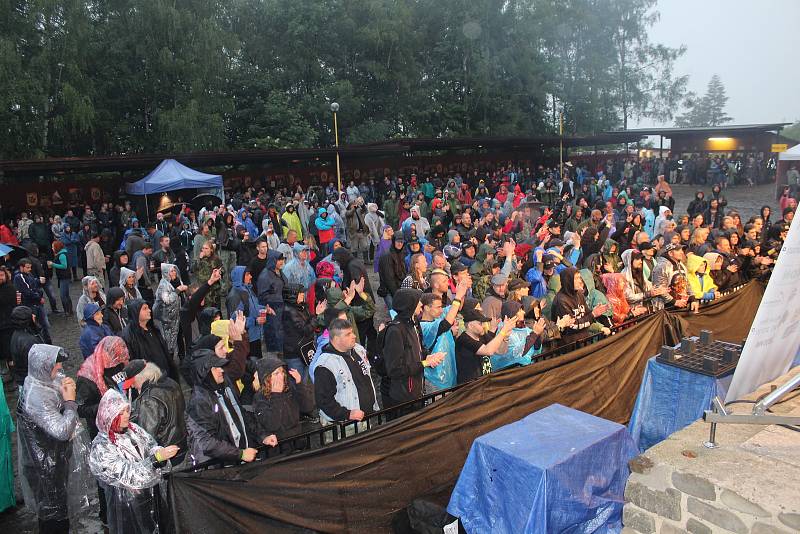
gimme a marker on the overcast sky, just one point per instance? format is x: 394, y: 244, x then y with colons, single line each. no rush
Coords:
x: 754, y: 46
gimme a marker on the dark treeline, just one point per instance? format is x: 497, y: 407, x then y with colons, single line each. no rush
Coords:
x: 81, y: 77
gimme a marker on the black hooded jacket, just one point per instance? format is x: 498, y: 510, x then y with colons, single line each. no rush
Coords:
x: 569, y: 301
x: 402, y: 351
x: 148, y: 344
x: 392, y: 269
x: 208, y: 431
x: 352, y: 270
x: 26, y: 334
x: 115, y: 319
x: 279, y: 413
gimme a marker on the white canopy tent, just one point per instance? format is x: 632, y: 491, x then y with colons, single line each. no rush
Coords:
x: 786, y: 160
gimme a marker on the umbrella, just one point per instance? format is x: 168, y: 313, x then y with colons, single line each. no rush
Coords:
x: 202, y: 200
x: 13, y: 253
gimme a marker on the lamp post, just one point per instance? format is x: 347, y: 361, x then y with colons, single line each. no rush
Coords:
x: 334, y: 109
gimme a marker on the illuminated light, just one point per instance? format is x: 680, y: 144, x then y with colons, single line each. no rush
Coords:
x: 720, y: 138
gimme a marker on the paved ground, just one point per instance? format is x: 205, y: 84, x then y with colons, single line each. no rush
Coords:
x: 65, y: 331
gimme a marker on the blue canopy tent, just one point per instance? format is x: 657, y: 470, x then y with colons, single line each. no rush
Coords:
x: 170, y: 175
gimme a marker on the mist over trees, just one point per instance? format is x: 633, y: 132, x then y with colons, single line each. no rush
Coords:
x: 95, y: 77
x: 708, y: 110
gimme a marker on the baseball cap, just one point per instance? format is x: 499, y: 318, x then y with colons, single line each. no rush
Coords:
x: 499, y: 279
x: 673, y: 246
x: 555, y: 243
x: 517, y: 283
x: 133, y: 368
x: 471, y: 314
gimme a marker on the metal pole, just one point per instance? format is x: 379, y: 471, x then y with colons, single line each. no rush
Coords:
x: 146, y: 208
x: 561, y: 145
x: 336, y: 137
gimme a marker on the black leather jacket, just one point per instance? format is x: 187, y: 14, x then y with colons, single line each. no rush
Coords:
x: 159, y: 409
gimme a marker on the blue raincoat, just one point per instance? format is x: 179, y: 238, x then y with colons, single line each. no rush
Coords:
x: 514, y: 355
x: 444, y: 375
x: 254, y: 329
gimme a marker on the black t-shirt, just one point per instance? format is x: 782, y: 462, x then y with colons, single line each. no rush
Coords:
x: 468, y: 363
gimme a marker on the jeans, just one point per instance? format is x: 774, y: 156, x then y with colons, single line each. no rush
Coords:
x: 41, y: 317
x: 388, y: 299
x: 63, y: 289
x: 48, y: 290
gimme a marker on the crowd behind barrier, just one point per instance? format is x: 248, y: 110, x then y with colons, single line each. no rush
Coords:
x: 216, y: 334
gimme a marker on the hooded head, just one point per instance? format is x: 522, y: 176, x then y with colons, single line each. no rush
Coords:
x: 321, y: 212
x: 237, y: 276
x: 166, y: 268
x: 114, y: 294
x: 205, y: 318
x: 41, y: 361
x: 272, y: 260
x: 110, y: 355
x: 111, y: 406
x: 567, y: 278
x: 405, y: 303
x: 266, y: 366
x: 22, y: 318
x: 134, y: 307
x: 124, y: 273
x: 693, y: 263
x: 204, y: 361
x: 483, y: 250
x: 86, y: 282
x: 88, y: 312
x: 342, y: 256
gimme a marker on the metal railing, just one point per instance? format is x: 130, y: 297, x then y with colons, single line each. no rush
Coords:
x: 337, y: 431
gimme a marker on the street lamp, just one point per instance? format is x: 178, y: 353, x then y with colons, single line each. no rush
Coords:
x: 334, y: 109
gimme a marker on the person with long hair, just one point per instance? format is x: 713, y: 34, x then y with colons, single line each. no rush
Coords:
x: 416, y: 277
x: 280, y: 397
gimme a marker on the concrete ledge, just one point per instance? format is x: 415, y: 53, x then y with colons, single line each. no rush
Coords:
x: 749, y: 484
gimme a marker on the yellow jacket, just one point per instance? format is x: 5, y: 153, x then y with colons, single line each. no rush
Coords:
x: 698, y: 286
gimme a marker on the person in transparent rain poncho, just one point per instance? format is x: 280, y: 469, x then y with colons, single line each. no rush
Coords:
x: 167, y: 306
x: 52, y: 444
x: 128, y: 464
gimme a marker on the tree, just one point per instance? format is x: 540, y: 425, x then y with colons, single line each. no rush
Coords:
x: 708, y: 110
x: 792, y: 132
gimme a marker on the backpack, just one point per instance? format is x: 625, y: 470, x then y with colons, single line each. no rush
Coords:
x: 376, y: 359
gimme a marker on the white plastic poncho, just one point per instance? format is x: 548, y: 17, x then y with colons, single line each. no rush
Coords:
x: 52, y: 443
x: 167, y: 308
x: 125, y: 466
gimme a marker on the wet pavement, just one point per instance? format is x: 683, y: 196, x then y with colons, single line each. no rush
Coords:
x: 66, y: 332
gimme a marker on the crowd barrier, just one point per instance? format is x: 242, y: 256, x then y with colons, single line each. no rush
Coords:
x: 416, y: 449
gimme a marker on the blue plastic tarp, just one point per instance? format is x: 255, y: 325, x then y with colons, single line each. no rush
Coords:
x: 670, y: 399
x: 556, y: 470
x: 171, y: 175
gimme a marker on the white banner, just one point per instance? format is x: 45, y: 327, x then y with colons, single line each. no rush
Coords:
x: 774, y: 337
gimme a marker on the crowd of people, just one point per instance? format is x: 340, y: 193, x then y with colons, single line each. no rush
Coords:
x: 209, y: 334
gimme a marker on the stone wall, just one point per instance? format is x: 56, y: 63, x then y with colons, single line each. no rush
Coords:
x: 749, y: 484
